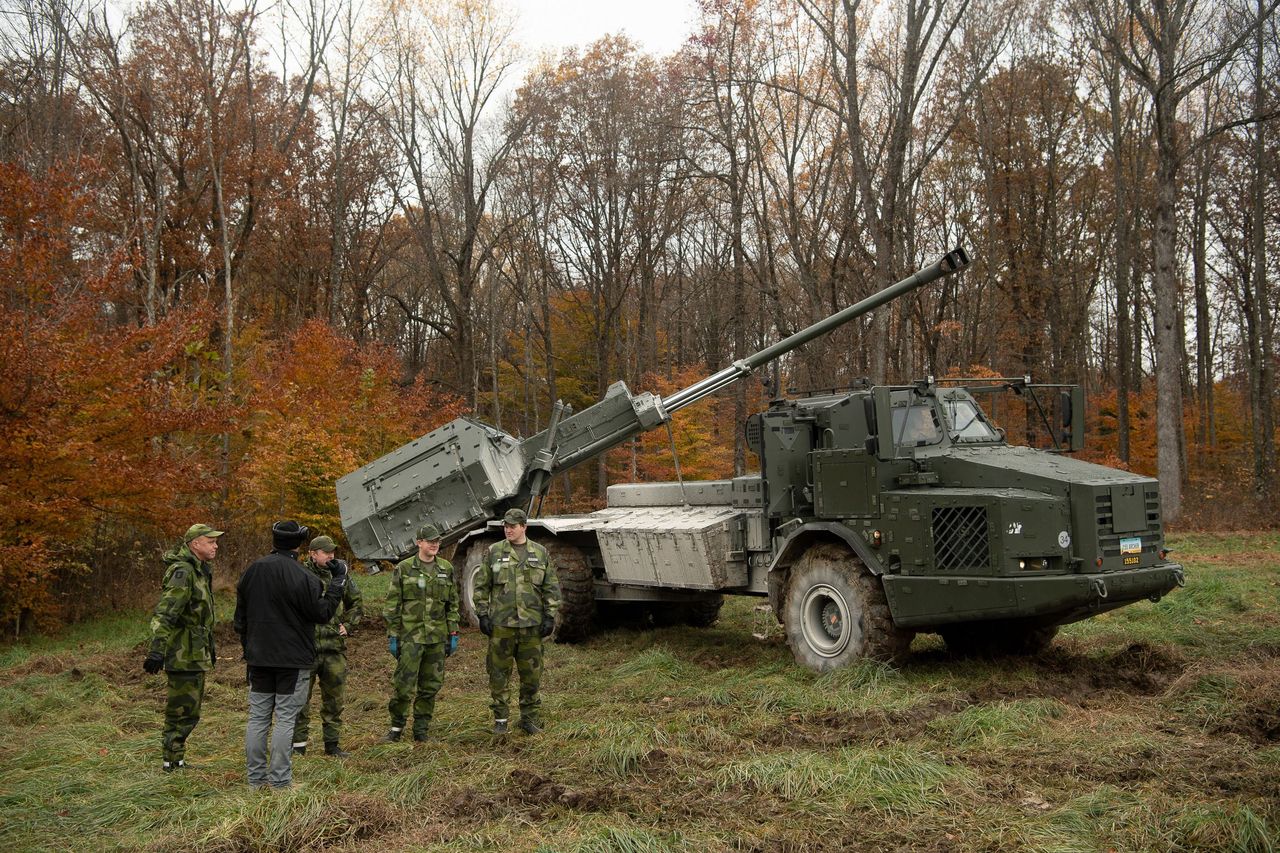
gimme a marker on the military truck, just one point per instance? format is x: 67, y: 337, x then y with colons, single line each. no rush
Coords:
x: 878, y: 512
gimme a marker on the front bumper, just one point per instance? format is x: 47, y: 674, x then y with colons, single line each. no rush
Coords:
x: 928, y: 601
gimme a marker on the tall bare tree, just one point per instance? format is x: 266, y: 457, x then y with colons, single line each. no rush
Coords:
x: 1172, y: 48
x: 443, y: 74
x: 887, y: 63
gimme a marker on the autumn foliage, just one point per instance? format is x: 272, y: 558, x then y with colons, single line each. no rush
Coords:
x: 88, y: 405
x: 320, y: 408
x: 111, y: 431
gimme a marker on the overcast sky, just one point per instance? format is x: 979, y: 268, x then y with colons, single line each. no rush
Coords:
x: 659, y: 26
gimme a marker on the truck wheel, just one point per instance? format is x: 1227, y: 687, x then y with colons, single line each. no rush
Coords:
x: 577, y: 616
x: 703, y: 614
x: 998, y: 638
x: 836, y: 612
x: 467, y: 581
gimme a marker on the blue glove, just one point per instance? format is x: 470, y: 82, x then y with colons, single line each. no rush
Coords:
x: 452, y: 645
x: 393, y: 646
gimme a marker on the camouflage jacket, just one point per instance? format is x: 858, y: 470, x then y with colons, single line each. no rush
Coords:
x: 182, y: 626
x: 422, y: 601
x: 349, y: 610
x: 517, y: 593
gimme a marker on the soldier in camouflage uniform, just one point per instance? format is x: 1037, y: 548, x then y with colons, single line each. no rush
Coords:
x: 331, y: 653
x: 422, y: 630
x: 182, y: 637
x: 517, y: 595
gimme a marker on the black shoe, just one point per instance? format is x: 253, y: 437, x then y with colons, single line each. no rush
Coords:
x: 529, y: 727
x: 170, y: 766
x: 331, y: 748
x: 419, y: 737
x: 392, y: 736
x: 299, y: 749
x: 499, y: 727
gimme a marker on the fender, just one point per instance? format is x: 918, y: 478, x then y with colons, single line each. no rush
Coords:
x: 795, y: 543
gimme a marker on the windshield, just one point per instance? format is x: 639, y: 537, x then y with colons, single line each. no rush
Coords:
x: 967, y: 421
x: 914, y: 422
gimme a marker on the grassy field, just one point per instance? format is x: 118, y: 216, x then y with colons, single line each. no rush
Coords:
x: 1156, y: 727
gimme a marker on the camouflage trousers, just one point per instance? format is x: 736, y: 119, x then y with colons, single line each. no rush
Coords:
x: 181, y: 712
x: 418, y: 676
x: 523, y: 648
x: 331, y: 672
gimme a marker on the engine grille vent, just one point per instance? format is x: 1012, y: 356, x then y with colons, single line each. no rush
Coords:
x: 1109, y: 540
x: 960, y: 538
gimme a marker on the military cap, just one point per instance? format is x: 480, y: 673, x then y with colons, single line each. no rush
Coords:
x: 515, y: 516
x: 429, y: 532
x: 323, y: 543
x: 195, y: 531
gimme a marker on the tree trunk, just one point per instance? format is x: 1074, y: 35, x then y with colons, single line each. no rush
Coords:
x: 1167, y: 317
x: 1264, y: 436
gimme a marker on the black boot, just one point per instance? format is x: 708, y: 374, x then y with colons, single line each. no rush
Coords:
x: 299, y: 749
x: 392, y: 736
x: 331, y: 748
x: 529, y: 726
x: 499, y: 727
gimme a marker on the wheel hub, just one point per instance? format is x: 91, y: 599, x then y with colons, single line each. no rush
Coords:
x: 823, y: 614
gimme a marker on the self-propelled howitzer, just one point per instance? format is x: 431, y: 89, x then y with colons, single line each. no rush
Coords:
x: 465, y: 473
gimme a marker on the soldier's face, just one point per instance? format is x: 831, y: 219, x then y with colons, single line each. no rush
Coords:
x: 428, y: 548
x: 204, y: 548
x: 321, y: 558
x: 514, y: 533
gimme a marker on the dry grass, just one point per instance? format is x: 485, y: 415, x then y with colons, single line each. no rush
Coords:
x: 1154, y: 728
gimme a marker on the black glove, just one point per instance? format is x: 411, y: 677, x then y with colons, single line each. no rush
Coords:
x: 486, y: 626
x: 548, y: 625
x: 338, y: 571
x: 153, y: 663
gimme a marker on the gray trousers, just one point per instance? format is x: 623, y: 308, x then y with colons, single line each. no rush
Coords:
x: 285, y: 707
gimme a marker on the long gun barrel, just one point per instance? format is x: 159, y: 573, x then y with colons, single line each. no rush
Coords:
x: 466, y: 472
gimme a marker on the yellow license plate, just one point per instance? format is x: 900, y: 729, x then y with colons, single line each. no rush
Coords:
x: 1131, y: 561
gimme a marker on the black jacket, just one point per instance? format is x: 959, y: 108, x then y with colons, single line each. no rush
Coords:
x: 278, y: 605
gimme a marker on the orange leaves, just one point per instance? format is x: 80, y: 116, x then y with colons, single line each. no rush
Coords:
x: 87, y: 403
x: 319, y: 409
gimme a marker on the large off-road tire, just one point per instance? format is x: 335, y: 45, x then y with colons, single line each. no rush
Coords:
x: 471, y: 563
x: 998, y: 638
x: 835, y: 611
x: 703, y: 614
x: 577, y: 618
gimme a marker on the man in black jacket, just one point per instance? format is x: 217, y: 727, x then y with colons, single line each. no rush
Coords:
x: 278, y: 605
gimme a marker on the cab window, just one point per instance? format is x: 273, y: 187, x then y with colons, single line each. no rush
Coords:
x: 914, y: 421
x: 967, y: 422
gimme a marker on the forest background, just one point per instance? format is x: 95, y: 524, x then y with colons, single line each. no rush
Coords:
x: 245, y: 249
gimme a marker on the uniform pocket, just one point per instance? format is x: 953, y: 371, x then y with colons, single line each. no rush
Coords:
x: 537, y: 576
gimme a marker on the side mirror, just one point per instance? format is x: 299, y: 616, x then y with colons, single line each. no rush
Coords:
x: 1071, y: 402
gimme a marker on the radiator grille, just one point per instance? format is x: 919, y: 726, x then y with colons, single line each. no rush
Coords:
x: 1109, y: 540
x: 960, y: 538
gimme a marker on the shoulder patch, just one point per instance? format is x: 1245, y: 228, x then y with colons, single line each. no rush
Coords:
x: 179, y: 576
